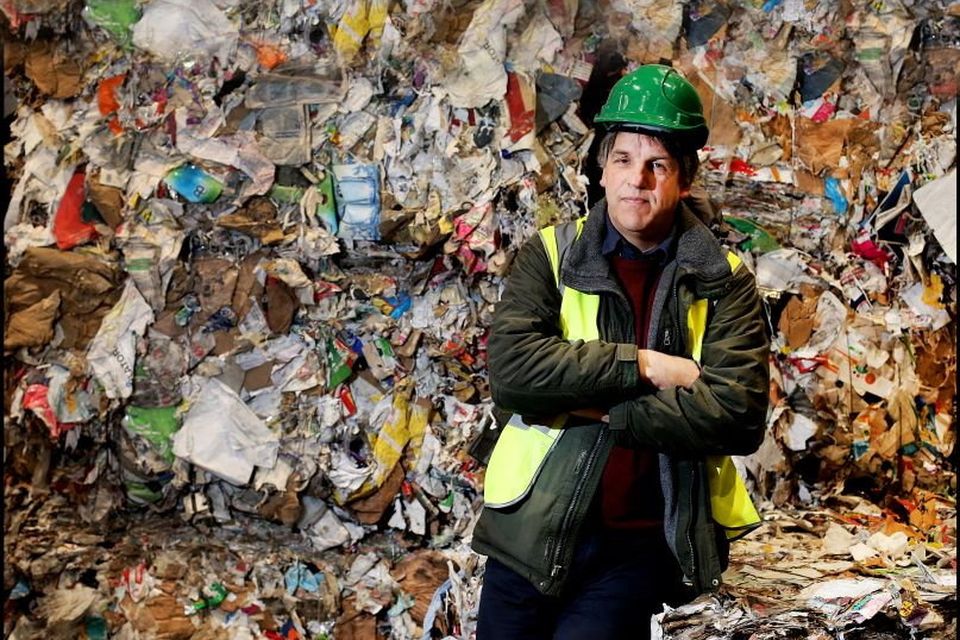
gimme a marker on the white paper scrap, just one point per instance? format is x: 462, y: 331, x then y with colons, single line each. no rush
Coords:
x: 937, y: 202
x: 842, y: 588
x: 800, y: 430
x: 224, y: 436
x: 113, y: 351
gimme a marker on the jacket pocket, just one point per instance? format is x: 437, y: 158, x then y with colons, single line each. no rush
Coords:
x: 517, y: 459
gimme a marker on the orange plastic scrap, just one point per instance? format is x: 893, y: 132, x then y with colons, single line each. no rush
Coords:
x: 891, y: 526
x: 923, y: 511
x: 107, y: 101
x: 856, y: 519
x: 106, y: 94
x: 269, y: 55
x: 924, y: 518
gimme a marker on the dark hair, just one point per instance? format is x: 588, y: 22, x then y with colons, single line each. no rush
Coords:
x: 687, y: 159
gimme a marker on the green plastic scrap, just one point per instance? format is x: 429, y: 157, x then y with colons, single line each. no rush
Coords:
x: 286, y: 194
x: 403, y: 603
x: 759, y: 238
x: 96, y: 628
x: 219, y: 595
x: 446, y: 504
x: 156, y: 425
x: 114, y: 16
x: 140, y: 493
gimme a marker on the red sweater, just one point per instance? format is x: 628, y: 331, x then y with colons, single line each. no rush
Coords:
x: 630, y: 496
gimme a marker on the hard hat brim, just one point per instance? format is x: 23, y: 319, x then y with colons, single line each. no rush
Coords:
x: 694, y: 138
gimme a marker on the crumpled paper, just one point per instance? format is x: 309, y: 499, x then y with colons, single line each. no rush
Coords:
x: 170, y: 29
x: 480, y: 76
x: 224, y: 436
x: 113, y: 351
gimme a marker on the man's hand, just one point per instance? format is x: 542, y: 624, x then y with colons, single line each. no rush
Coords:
x: 598, y: 415
x: 592, y: 414
x: 664, y: 371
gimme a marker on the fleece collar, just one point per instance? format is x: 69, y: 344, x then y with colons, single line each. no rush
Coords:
x: 698, y: 254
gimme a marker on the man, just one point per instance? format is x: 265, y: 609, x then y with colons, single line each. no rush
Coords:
x: 631, y: 350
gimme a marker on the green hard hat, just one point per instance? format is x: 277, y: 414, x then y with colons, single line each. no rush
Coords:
x: 655, y: 98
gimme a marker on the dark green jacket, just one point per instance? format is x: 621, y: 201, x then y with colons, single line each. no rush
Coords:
x: 534, y: 372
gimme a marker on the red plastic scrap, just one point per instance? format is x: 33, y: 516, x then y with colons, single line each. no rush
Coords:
x: 459, y: 351
x: 824, y: 112
x: 69, y: 229
x: 740, y: 166
x: 812, y: 364
x: 323, y: 289
x: 160, y: 98
x: 470, y: 260
x: 37, y: 400
x: 9, y: 8
x: 865, y: 247
x: 346, y: 399
x: 522, y: 112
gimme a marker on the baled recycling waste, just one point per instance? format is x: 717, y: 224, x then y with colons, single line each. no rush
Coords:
x: 252, y: 254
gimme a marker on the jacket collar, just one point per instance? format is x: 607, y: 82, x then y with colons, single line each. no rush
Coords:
x: 615, y: 244
x: 698, y: 253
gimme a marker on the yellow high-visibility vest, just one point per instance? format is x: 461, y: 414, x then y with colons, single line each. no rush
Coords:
x: 522, y: 449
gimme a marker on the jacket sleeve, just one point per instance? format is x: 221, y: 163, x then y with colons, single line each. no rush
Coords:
x: 533, y: 370
x: 725, y: 411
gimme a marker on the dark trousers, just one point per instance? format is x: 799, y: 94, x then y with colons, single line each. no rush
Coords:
x: 616, y: 583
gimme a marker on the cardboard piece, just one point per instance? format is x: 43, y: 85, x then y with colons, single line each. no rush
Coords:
x: 798, y: 318
x: 108, y: 201
x: 419, y: 575
x: 33, y: 326
x: 87, y: 287
x: 370, y: 510
x: 281, y: 305
x: 355, y: 624
x: 819, y: 146
x: 56, y: 73
x: 216, y: 279
x: 258, y: 219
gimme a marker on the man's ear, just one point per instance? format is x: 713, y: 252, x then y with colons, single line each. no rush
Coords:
x: 603, y: 176
x: 684, y: 192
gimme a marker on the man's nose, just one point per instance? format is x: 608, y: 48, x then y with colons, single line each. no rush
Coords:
x: 642, y: 178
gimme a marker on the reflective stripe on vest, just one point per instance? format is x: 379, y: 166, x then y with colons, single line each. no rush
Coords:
x: 730, y: 503
x: 522, y: 449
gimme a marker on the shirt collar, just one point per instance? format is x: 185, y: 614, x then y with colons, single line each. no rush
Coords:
x: 614, y: 244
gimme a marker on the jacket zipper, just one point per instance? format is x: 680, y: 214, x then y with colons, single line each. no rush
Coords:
x: 557, y: 568
x: 693, y: 554
x: 677, y: 317
x: 693, y: 473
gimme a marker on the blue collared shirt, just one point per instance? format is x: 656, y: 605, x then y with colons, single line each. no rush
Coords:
x: 615, y: 244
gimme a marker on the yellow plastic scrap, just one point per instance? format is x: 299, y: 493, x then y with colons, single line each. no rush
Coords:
x: 393, y: 437
x: 933, y: 292
x: 417, y: 427
x: 352, y: 29
x: 377, y: 17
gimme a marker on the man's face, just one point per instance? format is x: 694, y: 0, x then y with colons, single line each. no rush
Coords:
x: 642, y: 183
